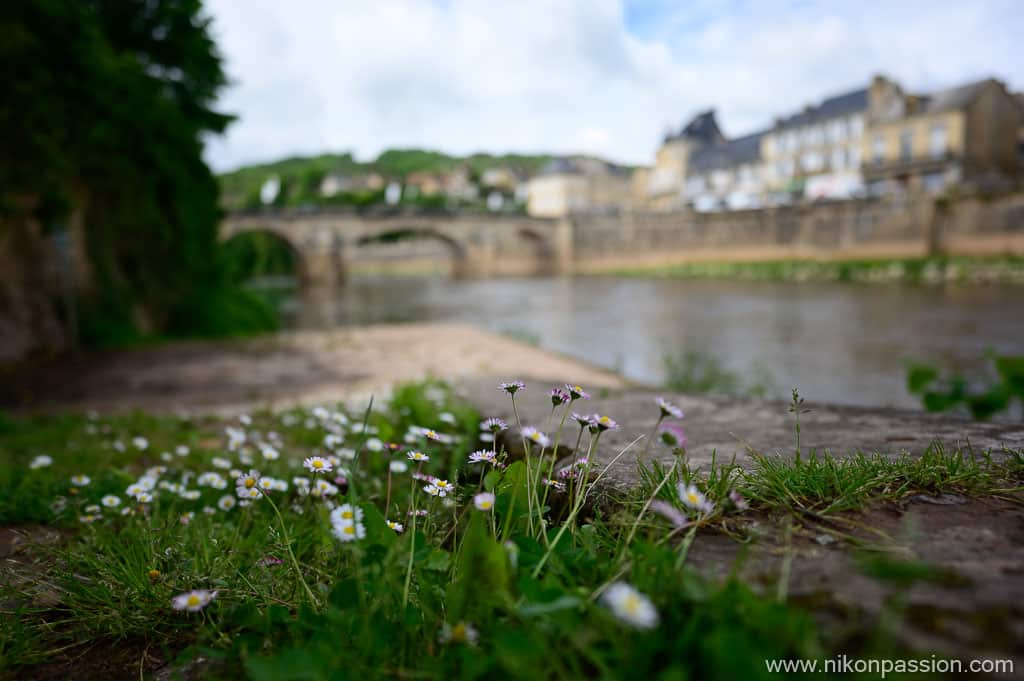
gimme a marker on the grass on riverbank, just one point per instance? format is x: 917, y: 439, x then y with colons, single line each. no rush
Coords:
x: 932, y: 270
x: 470, y: 586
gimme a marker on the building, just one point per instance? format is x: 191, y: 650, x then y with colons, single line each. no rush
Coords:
x: 667, y: 178
x: 578, y: 185
x: 966, y: 135
x: 816, y: 153
x: 726, y: 175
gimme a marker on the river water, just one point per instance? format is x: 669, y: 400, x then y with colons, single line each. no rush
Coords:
x: 837, y: 342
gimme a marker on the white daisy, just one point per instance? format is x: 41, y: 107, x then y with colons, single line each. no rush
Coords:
x: 347, y: 532
x: 41, y: 461
x: 317, y: 464
x: 110, y: 501
x: 193, y: 601
x: 226, y: 502
x: 397, y: 527
x: 80, y: 480
x: 484, y: 501
x: 631, y: 606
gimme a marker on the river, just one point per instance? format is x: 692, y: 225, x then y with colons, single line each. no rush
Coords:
x: 836, y: 342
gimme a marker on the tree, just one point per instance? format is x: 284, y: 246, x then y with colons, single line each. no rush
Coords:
x: 104, y: 112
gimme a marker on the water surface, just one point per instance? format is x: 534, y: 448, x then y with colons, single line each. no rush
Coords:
x: 842, y: 342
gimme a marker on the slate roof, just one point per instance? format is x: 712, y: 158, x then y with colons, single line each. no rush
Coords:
x: 954, y: 98
x: 727, y: 154
x: 702, y: 127
x: 833, y: 107
x: 567, y: 165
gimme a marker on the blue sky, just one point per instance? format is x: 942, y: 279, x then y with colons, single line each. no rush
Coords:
x: 597, y: 76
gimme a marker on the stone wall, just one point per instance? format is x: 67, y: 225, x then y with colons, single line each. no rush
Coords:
x: 30, y: 319
x: 833, y: 230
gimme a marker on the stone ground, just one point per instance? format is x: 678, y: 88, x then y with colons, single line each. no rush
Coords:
x: 973, y: 608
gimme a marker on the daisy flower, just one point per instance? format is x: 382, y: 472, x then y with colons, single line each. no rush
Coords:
x: 493, y: 424
x: 430, y: 434
x: 576, y: 392
x: 668, y: 409
x: 140, y: 443
x: 144, y: 497
x: 599, y: 424
x: 110, y: 501
x: 630, y: 606
x: 181, y: 450
x: 693, y: 498
x: 558, y: 396
x: 347, y: 532
x: 536, y: 436
x: 463, y: 632
x: 236, y: 438
x: 482, y: 456
x: 248, y: 480
x: 484, y: 501
x: 673, y: 435
x: 398, y: 466
x: 346, y: 513
x: 249, y: 493
x: 434, y: 491
x: 226, y: 502
x: 245, y: 419
x: 270, y: 454
x: 582, y: 419
x: 193, y: 601
x: 190, y: 494
x: 92, y: 508
x: 556, y: 485
x: 375, y: 444
x: 447, y: 417
x: 419, y: 513
x: 512, y: 387
x: 669, y: 513
x: 317, y: 464
x: 80, y: 480
x: 300, y: 481
x: 397, y: 527
x: 738, y: 501
x: 88, y: 518
x: 41, y: 461
x: 417, y: 456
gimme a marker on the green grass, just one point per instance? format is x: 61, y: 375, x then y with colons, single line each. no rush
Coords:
x: 912, y: 270
x: 294, y: 602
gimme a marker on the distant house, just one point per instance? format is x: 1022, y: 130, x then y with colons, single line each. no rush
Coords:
x: 577, y: 185
x: 335, y: 183
x: 667, y: 178
x: 966, y: 135
x: 499, y: 178
x: 816, y: 153
x: 424, y: 183
x: 726, y: 174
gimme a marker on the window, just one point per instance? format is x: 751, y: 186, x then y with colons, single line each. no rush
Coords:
x: 856, y: 126
x: 854, y: 156
x: 937, y: 140
x: 811, y: 161
x: 878, y: 149
x: 838, y: 158
x: 906, y: 145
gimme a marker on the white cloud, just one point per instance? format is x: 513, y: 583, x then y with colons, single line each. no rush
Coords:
x: 570, y: 75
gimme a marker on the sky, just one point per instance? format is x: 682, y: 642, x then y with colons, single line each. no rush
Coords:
x: 603, y: 77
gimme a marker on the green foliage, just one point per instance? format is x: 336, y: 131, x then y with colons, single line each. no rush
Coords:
x: 104, y: 121
x: 929, y: 270
x: 485, y: 598
x: 696, y: 372
x: 940, y: 392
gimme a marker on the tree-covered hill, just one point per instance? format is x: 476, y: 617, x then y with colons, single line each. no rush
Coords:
x: 301, y: 176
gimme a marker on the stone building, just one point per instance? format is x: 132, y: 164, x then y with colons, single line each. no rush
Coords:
x: 579, y: 185
x: 816, y: 153
x: 726, y: 175
x: 966, y: 135
x: 667, y: 178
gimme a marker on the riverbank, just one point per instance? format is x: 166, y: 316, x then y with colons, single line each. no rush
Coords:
x: 301, y: 367
x: 933, y: 270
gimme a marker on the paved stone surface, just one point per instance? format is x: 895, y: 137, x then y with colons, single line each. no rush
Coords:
x: 728, y: 426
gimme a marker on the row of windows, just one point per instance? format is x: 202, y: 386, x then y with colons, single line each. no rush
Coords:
x: 834, y: 131
x: 840, y: 158
x: 937, y: 144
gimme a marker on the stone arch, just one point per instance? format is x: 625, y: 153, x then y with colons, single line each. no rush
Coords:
x: 544, y: 252
x: 458, y: 251
x: 299, y: 259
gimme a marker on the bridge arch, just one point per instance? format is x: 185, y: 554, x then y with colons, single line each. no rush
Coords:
x: 457, y: 250
x: 253, y: 251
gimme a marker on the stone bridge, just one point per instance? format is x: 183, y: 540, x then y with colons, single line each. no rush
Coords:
x: 479, y: 245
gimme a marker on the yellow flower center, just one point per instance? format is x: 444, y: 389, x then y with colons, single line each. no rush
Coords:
x: 193, y: 600
x: 317, y: 463
x: 459, y: 632
x: 485, y: 505
x: 631, y: 604
x: 349, y: 530
x: 604, y: 419
x: 250, y: 482
x: 693, y: 498
x: 348, y: 515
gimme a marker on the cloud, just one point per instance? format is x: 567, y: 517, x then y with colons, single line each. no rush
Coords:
x: 570, y: 75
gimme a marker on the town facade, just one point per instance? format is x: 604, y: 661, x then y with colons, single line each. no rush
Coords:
x: 871, y: 141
